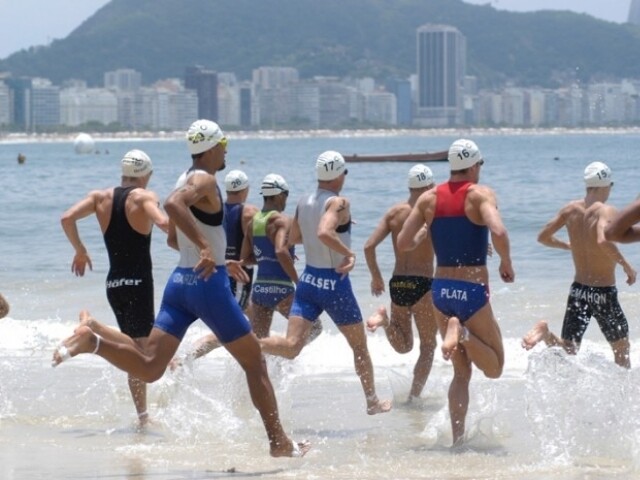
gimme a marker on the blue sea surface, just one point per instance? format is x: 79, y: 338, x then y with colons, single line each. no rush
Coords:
x: 512, y: 423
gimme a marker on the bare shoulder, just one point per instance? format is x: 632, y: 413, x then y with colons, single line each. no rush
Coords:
x: 603, y: 210
x: 204, y: 182
x: 482, y: 191
x: 249, y: 210
x: 427, y: 197
x: 338, y: 202
x: 102, y: 192
x: 279, y: 219
x: 398, y: 210
x: 102, y: 195
x: 574, y: 206
x: 140, y: 195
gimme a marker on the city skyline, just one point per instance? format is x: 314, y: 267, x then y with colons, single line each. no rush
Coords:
x: 277, y: 98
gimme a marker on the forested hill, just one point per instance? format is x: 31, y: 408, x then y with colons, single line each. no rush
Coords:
x: 330, y: 37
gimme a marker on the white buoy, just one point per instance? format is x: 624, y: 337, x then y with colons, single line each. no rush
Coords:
x: 83, y: 144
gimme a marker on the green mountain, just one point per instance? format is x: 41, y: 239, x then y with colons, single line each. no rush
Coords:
x: 330, y: 37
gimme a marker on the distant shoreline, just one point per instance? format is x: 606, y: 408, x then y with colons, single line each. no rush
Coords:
x: 23, y: 138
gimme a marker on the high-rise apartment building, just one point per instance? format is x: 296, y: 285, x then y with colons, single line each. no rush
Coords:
x: 205, y: 83
x: 21, y: 93
x: 268, y: 78
x: 5, y: 104
x: 441, y: 65
x: 45, y: 104
x: 245, y: 104
x: 123, y: 79
x: 401, y: 88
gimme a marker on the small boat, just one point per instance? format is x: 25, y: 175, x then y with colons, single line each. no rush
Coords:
x: 440, y: 156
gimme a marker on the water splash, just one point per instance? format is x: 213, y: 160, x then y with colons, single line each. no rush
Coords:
x: 582, y: 407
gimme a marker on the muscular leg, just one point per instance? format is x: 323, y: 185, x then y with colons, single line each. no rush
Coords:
x: 398, y: 328
x: 621, y: 352
x: 246, y: 350
x: 148, y: 365
x: 364, y: 368
x: 106, y: 332
x: 484, y: 346
x: 138, y: 389
x: 298, y: 330
x: 261, y: 318
x: 459, y: 387
x: 427, y: 330
x: 459, y: 394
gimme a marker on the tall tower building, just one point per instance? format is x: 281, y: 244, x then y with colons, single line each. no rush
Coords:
x: 442, y: 57
x: 205, y: 83
x: 124, y: 79
x: 634, y: 12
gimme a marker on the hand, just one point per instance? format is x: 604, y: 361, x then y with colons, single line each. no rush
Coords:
x: 346, y: 265
x: 377, y: 286
x: 631, y: 275
x: 506, y: 272
x: 422, y: 234
x: 206, y: 266
x: 234, y: 267
x: 79, y: 263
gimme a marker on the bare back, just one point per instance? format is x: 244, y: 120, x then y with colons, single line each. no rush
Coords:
x: 419, y: 261
x: 593, y: 265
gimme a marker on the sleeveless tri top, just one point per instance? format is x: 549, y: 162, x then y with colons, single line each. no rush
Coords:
x: 310, y: 210
x: 457, y: 241
x: 211, y: 225
x: 128, y: 250
x: 264, y: 250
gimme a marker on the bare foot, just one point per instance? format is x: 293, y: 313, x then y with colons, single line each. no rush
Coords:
x: 378, y: 319
x: 452, y: 337
x: 376, y: 406
x: 82, y: 341
x: 293, y: 450
x: 85, y: 318
x: 538, y: 333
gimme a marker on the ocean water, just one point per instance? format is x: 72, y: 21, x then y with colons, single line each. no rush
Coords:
x: 549, y: 416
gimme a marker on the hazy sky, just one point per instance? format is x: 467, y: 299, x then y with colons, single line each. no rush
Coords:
x: 26, y: 23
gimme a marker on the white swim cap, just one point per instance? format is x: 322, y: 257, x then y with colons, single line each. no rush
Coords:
x: 273, y: 184
x: 235, y: 181
x: 203, y: 135
x: 420, y: 176
x: 463, y: 154
x: 597, y: 174
x: 330, y: 165
x: 136, y: 163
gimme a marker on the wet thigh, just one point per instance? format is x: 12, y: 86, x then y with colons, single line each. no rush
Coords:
x: 424, y: 316
x: 261, y: 318
x: 284, y: 307
x: 485, y: 327
x: 355, y: 336
x: 160, y: 346
x: 401, y: 317
x: 246, y: 350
